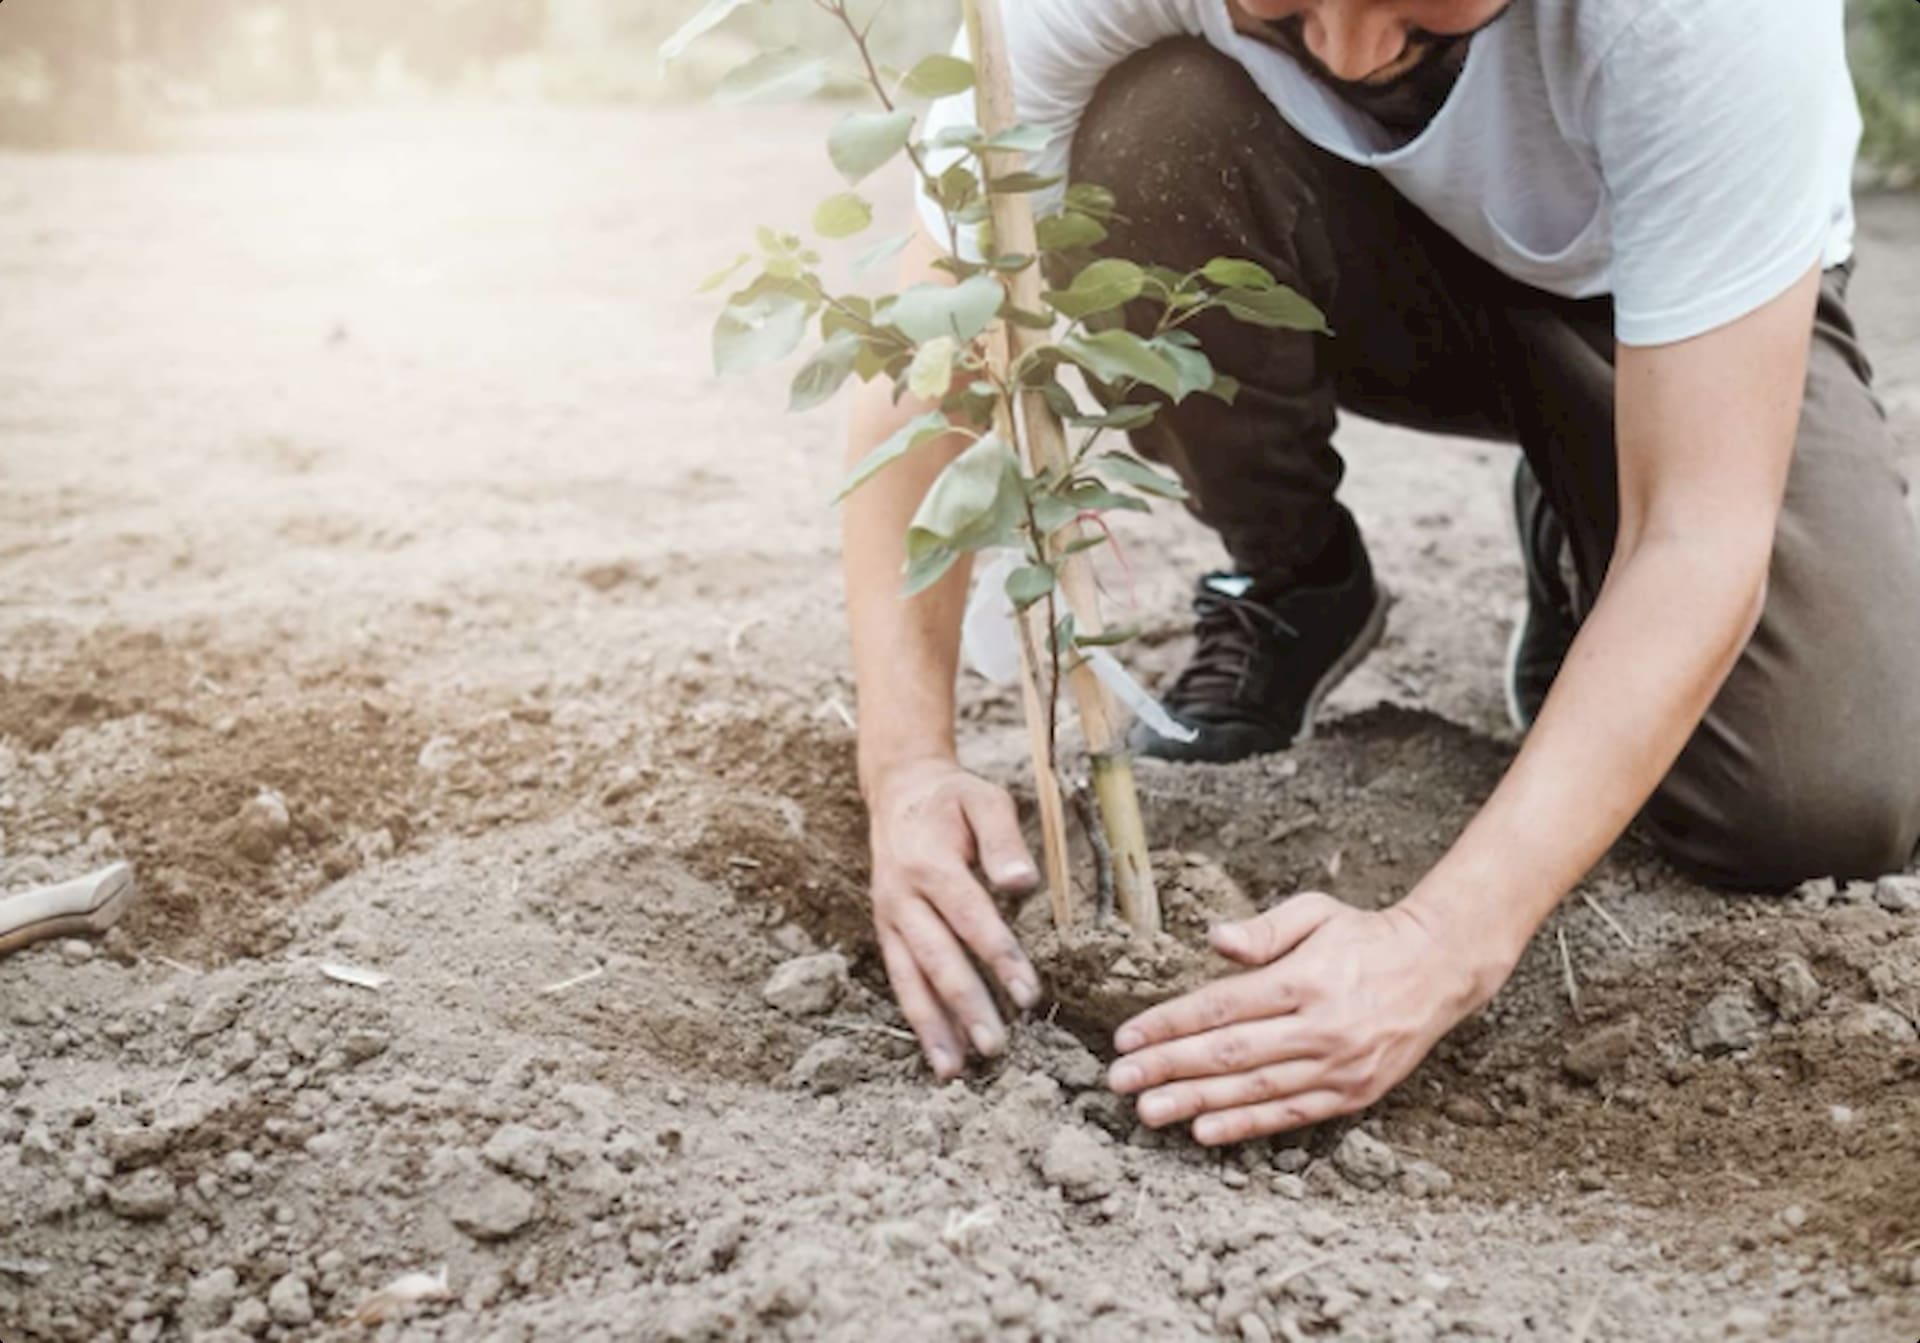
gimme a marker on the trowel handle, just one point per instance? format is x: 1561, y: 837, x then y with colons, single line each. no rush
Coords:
x: 89, y: 904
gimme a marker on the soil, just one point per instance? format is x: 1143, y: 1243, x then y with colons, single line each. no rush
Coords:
x: 387, y: 578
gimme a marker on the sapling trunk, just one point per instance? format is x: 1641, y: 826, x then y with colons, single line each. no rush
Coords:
x: 1045, y: 443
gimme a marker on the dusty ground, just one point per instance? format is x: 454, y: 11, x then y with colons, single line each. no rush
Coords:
x: 372, y: 460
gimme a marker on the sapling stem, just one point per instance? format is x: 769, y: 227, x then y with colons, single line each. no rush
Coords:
x: 1045, y: 444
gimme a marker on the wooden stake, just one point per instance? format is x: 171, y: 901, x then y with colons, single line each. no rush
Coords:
x: 1046, y: 447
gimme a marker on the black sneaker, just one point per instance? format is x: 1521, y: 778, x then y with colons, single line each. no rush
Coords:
x: 1266, y: 656
x: 1542, y: 637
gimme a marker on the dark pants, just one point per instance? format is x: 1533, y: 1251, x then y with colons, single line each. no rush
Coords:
x: 1808, y: 763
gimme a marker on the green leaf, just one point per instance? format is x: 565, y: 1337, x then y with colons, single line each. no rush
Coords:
x: 1119, y: 417
x: 1051, y: 512
x: 929, y: 311
x: 1225, y: 388
x: 1194, y: 368
x: 957, y: 187
x: 1028, y: 584
x: 842, y: 216
x: 864, y: 142
x: 1087, y: 542
x: 1233, y: 273
x: 708, y: 17
x: 976, y: 502
x: 1108, y: 638
x: 820, y: 377
x: 1100, y: 287
x: 885, y: 251
x: 903, y: 440
x: 938, y: 76
x: 1063, y: 638
x: 964, y: 136
x: 1062, y: 232
x: 774, y: 76
x: 1116, y: 357
x: 1020, y: 139
x: 1279, y: 308
x: 1090, y: 496
x: 1015, y: 184
x: 931, y: 373
x: 720, y: 277
x: 1089, y: 199
x: 759, y: 330
x: 927, y: 567
x: 1126, y: 469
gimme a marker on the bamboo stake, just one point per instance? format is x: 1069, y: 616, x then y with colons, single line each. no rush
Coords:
x: 1046, y: 445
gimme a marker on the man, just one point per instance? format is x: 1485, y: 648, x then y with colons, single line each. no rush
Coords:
x: 1616, y: 232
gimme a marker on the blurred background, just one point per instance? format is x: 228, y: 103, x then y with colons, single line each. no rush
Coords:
x: 113, y: 71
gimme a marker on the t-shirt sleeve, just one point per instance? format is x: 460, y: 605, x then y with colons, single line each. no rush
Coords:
x: 1059, y: 50
x: 1727, y: 155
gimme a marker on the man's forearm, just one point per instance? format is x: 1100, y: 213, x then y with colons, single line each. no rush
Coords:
x: 1670, y: 623
x: 904, y: 652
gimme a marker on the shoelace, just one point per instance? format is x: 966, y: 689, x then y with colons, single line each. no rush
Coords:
x: 1228, y: 632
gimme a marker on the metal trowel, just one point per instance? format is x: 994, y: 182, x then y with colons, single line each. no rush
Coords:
x: 86, y: 905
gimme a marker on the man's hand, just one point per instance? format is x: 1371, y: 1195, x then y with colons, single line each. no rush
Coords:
x: 1343, y: 1005
x: 933, y: 825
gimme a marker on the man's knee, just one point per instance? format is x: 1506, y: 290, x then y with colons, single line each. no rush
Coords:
x: 1847, y: 819
x: 1197, y: 158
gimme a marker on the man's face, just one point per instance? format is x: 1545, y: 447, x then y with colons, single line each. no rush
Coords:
x: 1364, y: 42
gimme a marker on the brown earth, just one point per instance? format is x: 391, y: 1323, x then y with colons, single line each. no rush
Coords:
x: 371, y: 460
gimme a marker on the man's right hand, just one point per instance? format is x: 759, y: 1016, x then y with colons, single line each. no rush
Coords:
x: 933, y: 827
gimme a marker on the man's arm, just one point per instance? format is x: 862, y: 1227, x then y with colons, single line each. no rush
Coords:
x: 1346, y: 1003
x: 932, y: 823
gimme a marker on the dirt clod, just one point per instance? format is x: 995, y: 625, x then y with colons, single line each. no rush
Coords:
x: 1790, y: 986
x: 1365, y: 1160
x: 808, y: 986
x: 1728, y: 1022
x: 1898, y: 894
x: 1079, y: 1165
x: 145, y: 1196
x: 1602, y: 1052
x: 492, y: 1208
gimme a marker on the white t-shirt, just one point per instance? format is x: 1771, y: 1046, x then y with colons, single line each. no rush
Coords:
x: 1692, y: 158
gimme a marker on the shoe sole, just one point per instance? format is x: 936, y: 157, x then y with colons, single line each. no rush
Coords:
x: 1510, y: 676
x: 89, y: 906
x: 1364, y: 643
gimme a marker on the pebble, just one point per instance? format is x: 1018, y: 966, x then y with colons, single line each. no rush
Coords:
x: 361, y: 1045
x: 1291, y: 1160
x: 12, y: 1075
x: 262, y: 827
x: 1423, y: 1179
x: 76, y: 951
x: 289, y: 1303
x: 1898, y: 895
x: 492, y: 1208
x: 1234, y: 1178
x: 1602, y: 1052
x: 808, y: 985
x: 1727, y: 1023
x: 1792, y: 989
x: 1871, y: 1021
x: 214, y: 1014
x: 145, y: 1196
x: 832, y: 1064
x: 209, y: 1299
x: 1253, y: 1329
x: 519, y: 1150
x: 1079, y: 1165
x: 1365, y: 1160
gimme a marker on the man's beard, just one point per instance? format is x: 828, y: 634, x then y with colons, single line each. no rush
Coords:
x: 1407, y: 101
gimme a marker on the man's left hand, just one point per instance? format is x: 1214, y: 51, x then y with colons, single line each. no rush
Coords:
x: 1339, y: 1005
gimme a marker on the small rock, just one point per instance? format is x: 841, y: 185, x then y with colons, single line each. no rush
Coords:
x: 1727, y: 1023
x: 519, y: 1150
x: 12, y: 1075
x: 492, y: 1208
x: 145, y: 1196
x: 76, y: 951
x: 1234, y: 1178
x: 1423, y: 1179
x: 216, y: 1013
x: 361, y: 1045
x: 1602, y: 1052
x: 808, y: 985
x: 1079, y: 1165
x: 288, y: 1301
x: 1898, y: 895
x: 1365, y: 1160
x: 1253, y: 1329
x: 1872, y: 1022
x: 1819, y: 892
x: 1793, y: 1217
x: 136, y: 1145
x: 262, y: 827
x: 1792, y: 989
x: 249, y: 1316
x: 832, y: 1064
x: 209, y: 1299
x: 1291, y: 1160
x: 1469, y: 1111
